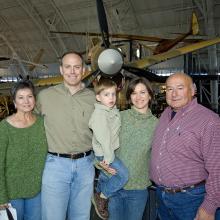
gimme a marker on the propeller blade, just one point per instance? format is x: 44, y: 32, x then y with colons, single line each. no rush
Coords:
x: 145, y: 73
x: 90, y: 78
x: 103, y: 23
x: 4, y: 58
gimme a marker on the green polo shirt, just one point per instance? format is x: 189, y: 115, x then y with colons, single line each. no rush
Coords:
x: 66, y: 118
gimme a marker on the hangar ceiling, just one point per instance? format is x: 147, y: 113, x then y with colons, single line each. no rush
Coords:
x: 25, y: 25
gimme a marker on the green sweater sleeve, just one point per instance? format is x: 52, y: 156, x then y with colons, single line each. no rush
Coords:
x: 3, y: 150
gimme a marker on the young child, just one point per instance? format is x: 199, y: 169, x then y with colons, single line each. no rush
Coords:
x: 105, y: 123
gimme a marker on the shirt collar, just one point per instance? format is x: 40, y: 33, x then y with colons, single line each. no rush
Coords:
x: 101, y: 106
x: 67, y: 91
x: 186, y: 108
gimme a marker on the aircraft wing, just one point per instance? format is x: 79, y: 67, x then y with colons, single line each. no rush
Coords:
x: 154, y: 59
x: 56, y: 79
x: 48, y: 81
x: 43, y: 81
x: 6, y: 86
x: 122, y: 36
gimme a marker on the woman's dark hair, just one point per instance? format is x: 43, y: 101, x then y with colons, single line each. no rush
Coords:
x: 132, y: 84
x: 24, y: 84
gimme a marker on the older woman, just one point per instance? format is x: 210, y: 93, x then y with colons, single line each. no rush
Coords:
x: 138, y: 125
x: 23, y: 149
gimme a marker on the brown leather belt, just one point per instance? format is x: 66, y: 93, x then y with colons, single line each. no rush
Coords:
x: 183, y: 189
x: 72, y: 156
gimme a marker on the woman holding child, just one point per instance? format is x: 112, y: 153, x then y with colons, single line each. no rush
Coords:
x: 137, y: 127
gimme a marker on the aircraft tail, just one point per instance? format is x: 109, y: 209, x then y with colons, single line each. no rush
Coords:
x: 194, y: 29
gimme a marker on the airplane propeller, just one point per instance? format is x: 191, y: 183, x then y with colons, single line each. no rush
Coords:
x: 103, y: 24
x: 109, y: 59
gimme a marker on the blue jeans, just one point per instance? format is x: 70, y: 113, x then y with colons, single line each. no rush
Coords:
x: 181, y: 205
x: 29, y: 208
x: 127, y: 204
x: 67, y: 188
x: 109, y: 184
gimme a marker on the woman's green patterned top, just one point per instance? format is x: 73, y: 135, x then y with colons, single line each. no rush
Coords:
x: 135, y: 146
x: 22, y: 157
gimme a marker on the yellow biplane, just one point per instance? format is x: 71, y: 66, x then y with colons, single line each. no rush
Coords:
x: 108, y: 60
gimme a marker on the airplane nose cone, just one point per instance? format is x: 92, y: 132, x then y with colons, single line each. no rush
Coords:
x: 110, y: 61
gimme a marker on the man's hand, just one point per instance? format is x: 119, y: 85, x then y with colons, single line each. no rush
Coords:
x: 203, y: 215
x: 3, y: 206
x: 107, y: 168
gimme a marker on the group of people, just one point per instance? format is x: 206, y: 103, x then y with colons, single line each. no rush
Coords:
x: 47, y: 151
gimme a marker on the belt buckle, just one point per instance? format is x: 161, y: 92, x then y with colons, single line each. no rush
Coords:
x: 168, y: 190
x: 72, y: 156
x: 172, y: 190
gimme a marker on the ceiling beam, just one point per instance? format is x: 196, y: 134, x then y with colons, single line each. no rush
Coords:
x: 34, y: 15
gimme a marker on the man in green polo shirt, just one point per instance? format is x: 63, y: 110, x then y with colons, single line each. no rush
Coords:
x: 67, y: 184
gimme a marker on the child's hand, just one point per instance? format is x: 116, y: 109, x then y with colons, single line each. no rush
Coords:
x: 104, y: 164
x: 107, y: 168
x: 3, y: 206
x: 112, y: 171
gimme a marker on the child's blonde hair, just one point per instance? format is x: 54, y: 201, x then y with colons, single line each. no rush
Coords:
x: 104, y: 83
